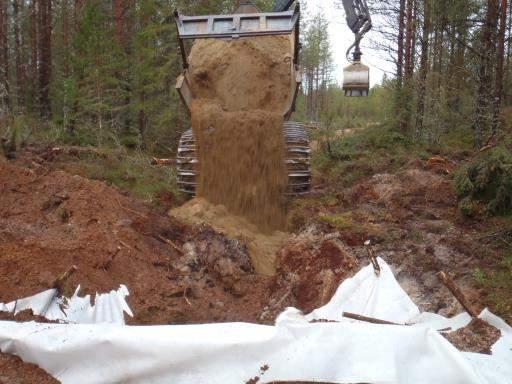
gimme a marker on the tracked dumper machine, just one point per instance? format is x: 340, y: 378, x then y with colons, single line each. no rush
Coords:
x: 247, y: 22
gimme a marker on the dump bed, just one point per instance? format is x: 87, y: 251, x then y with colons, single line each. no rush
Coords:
x: 240, y: 26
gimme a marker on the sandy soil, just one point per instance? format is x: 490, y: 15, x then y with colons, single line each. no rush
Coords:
x: 241, y: 90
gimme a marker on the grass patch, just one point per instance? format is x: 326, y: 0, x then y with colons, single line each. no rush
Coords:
x: 131, y: 172
x: 364, y: 153
x: 417, y: 235
x: 341, y: 221
x: 499, y: 282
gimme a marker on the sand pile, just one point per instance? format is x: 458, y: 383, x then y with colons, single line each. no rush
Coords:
x: 242, y: 88
x: 263, y: 248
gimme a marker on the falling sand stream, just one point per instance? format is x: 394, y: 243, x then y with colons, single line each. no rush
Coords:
x: 241, y: 89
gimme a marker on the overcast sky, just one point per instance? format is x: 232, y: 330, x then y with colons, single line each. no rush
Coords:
x: 342, y: 37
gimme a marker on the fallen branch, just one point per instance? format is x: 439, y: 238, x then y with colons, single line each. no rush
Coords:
x: 457, y: 292
x: 169, y: 242
x: 366, y: 319
x: 108, y: 263
x: 77, y: 151
x: 162, y: 162
x: 59, y: 282
x: 131, y: 210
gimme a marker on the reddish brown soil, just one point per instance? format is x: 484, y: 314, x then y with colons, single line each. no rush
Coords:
x: 176, y: 274
x: 15, y: 371
x: 477, y: 337
x: 24, y: 316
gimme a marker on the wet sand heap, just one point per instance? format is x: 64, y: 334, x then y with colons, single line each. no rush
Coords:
x: 241, y: 89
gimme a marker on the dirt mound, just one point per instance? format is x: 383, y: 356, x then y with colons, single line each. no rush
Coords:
x: 315, y: 266
x: 14, y: 371
x: 242, y: 89
x: 50, y: 221
x: 176, y: 273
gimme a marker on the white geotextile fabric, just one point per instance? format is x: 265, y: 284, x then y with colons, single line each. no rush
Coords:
x: 107, y: 308
x: 293, y: 349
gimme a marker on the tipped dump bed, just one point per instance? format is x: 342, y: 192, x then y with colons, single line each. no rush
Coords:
x: 240, y: 26
x: 237, y: 25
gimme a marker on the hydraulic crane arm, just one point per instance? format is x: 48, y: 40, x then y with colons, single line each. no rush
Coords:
x: 282, y: 5
x: 358, y: 18
x: 359, y: 21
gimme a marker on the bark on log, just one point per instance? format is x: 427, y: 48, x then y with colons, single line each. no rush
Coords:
x: 162, y: 162
x: 366, y: 319
x: 459, y: 295
x: 58, y: 284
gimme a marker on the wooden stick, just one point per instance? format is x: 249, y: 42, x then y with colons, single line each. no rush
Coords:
x: 169, y: 242
x: 59, y: 282
x: 373, y: 259
x: 457, y: 292
x: 130, y: 210
x: 162, y: 162
x: 366, y: 319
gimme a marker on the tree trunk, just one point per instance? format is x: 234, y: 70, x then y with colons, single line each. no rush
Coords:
x: 400, y: 48
x: 408, y: 42
x: 414, y: 37
x: 34, y: 53
x: 20, y: 86
x: 423, y: 69
x: 460, y: 73
x: 498, y: 95
x: 118, y: 20
x: 45, y: 56
x: 484, y: 93
x: 406, y: 104
x: 4, y: 57
x: 507, y: 93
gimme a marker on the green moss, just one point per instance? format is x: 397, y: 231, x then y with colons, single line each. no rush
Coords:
x: 130, y: 172
x: 341, y: 221
x: 499, y: 282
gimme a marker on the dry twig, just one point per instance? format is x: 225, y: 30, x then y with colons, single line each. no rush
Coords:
x: 366, y: 319
x: 169, y: 242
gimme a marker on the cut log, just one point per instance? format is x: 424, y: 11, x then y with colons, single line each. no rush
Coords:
x: 459, y: 295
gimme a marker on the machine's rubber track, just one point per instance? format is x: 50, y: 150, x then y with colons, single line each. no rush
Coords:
x: 297, y: 160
